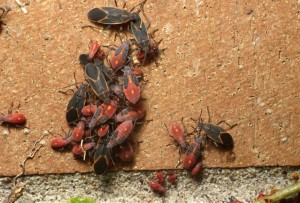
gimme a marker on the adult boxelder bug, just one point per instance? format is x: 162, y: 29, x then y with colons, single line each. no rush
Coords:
x: 97, y: 115
x: 216, y: 133
x: 76, y: 104
x: 192, y: 155
x: 156, y: 187
x: 112, y: 15
x: 120, y: 134
x: 101, y: 158
x: 119, y: 57
x: 139, y: 31
x: 108, y: 73
x: 118, y: 90
x: 131, y: 87
x: 97, y: 82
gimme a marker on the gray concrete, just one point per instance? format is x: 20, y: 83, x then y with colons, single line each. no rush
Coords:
x: 218, y: 184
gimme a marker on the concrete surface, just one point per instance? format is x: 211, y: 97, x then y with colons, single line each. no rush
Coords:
x: 218, y: 184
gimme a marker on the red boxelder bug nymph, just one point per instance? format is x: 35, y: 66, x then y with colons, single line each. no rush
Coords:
x: 118, y: 90
x: 79, y: 150
x: 109, y: 112
x: 178, y: 135
x: 193, y: 154
x: 127, y: 114
x: 89, y: 110
x: 78, y: 131
x: 171, y: 177
x: 97, y: 82
x: 102, y: 130
x: 131, y: 87
x: 60, y: 142
x: 125, y: 152
x: 216, y: 133
x: 76, y: 104
x: 156, y: 187
x: 118, y: 58
x: 101, y: 158
x: 96, y: 51
x: 196, y: 170
x: 160, y: 177
x: 120, y: 134
x: 13, y: 119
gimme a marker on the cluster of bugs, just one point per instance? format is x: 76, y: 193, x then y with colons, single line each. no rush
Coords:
x: 106, y: 107
x: 192, y: 153
x: 159, y: 185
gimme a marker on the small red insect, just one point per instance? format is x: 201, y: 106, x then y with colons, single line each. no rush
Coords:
x: 97, y: 115
x: 13, y: 119
x: 156, y: 187
x: 89, y: 110
x: 260, y: 195
x: 192, y: 155
x: 109, y: 112
x: 79, y: 150
x: 131, y: 87
x: 60, y: 142
x: 120, y: 134
x: 172, y: 178
x: 138, y: 72
x: 160, y: 177
x: 196, y: 170
x: 178, y: 135
x: 127, y: 114
x: 103, y: 130
x: 78, y: 131
x: 126, y: 152
x: 119, y: 57
x: 95, y: 51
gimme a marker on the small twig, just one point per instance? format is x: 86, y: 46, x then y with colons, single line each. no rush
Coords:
x: 15, y: 193
x: 280, y: 194
x: 34, y: 150
x: 21, y: 6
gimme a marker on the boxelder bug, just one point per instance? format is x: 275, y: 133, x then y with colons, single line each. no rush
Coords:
x: 125, y: 152
x: 196, y: 170
x: 13, y: 119
x: 96, y: 51
x: 80, y: 149
x: 118, y: 90
x: 120, y: 134
x: 97, y: 82
x: 89, y: 110
x: 78, y: 131
x: 102, y: 130
x: 127, y: 114
x: 131, y: 87
x: 139, y: 31
x: 107, y: 72
x: 119, y: 57
x: 60, y: 142
x: 112, y: 15
x: 172, y: 177
x: 156, y: 187
x: 101, y: 158
x: 109, y: 112
x: 76, y: 104
x: 97, y: 115
x: 178, y: 135
x: 192, y: 155
x: 160, y: 177
x: 216, y: 133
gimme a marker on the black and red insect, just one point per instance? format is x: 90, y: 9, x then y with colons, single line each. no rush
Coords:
x: 102, y: 157
x: 131, y: 86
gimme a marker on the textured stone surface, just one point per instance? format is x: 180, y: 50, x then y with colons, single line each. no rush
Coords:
x: 240, y: 58
x: 217, y: 185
